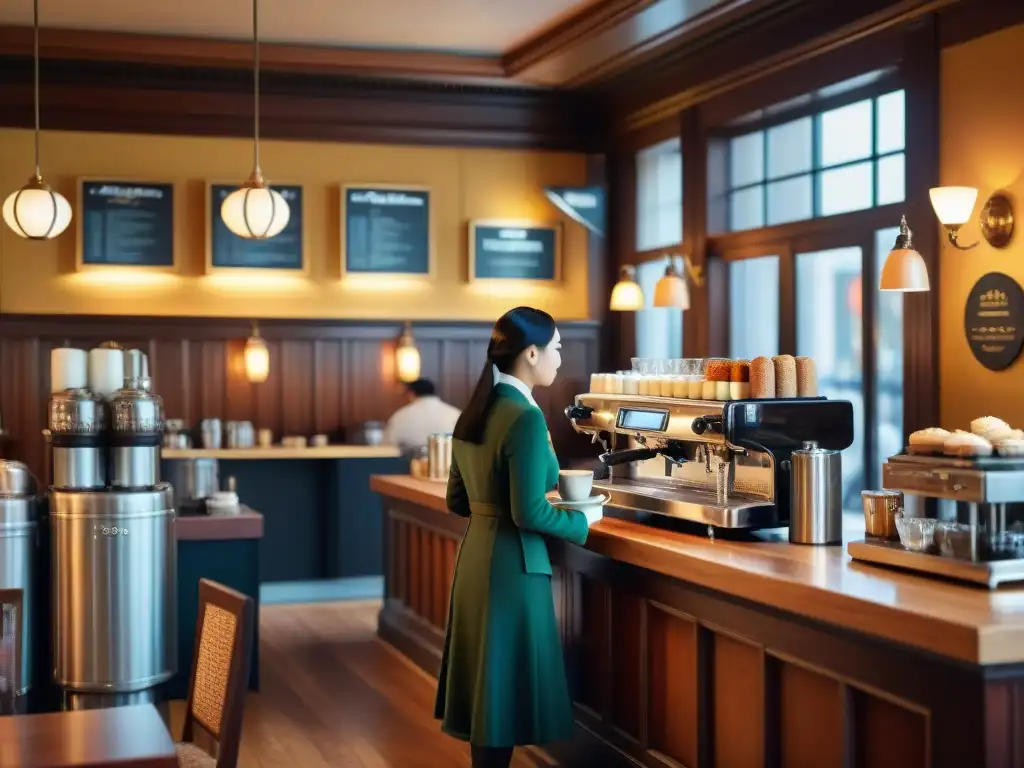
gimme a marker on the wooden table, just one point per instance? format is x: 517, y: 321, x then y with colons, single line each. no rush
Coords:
x: 133, y: 736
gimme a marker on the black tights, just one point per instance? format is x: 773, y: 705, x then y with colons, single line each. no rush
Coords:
x: 491, y: 757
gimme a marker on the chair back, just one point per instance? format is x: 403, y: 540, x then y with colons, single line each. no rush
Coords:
x: 10, y: 649
x: 220, y: 669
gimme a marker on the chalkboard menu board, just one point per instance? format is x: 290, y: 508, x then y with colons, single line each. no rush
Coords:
x: 126, y: 224
x: 994, y: 320
x: 386, y: 230
x: 507, y: 251
x: 229, y: 251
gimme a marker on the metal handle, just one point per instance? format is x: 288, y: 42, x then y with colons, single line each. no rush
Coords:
x: 613, y: 458
x: 574, y: 412
x: 703, y: 424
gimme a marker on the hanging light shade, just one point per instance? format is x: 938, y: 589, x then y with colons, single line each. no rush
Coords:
x: 407, y: 356
x: 904, y: 269
x: 627, y: 295
x: 257, y: 358
x: 36, y: 211
x: 254, y: 210
x: 672, y: 290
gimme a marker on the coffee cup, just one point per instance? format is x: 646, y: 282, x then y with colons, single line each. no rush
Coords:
x: 575, y: 484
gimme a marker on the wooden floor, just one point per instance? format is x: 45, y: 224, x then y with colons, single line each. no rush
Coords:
x: 332, y: 694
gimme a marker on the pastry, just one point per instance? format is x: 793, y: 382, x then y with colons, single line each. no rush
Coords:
x: 739, y: 380
x: 762, y: 378
x: 1011, y: 448
x: 806, y: 377
x: 716, y: 373
x: 966, y: 444
x: 989, y: 427
x: 931, y: 440
x: 785, y: 375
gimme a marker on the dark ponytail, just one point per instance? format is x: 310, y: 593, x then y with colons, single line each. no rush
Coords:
x: 515, y: 332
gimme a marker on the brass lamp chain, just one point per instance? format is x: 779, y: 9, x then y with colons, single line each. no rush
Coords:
x: 256, y: 84
x: 35, y: 54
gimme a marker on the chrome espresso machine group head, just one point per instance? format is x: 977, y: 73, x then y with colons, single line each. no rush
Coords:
x: 725, y: 464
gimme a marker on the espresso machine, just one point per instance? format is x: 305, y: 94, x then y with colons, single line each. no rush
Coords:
x: 725, y: 464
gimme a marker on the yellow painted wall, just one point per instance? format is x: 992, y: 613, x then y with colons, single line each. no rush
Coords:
x: 982, y: 132
x: 465, y: 183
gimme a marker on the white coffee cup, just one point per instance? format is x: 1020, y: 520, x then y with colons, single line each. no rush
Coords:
x: 575, y: 484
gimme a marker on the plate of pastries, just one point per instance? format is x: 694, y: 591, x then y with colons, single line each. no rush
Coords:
x: 988, y: 436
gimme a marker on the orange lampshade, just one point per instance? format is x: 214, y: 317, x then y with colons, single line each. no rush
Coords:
x: 627, y: 295
x: 904, y: 269
x: 257, y: 358
x: 672, y: 290
x: 407, y: 357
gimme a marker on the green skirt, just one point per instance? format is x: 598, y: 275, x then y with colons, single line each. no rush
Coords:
x: 502, y: 680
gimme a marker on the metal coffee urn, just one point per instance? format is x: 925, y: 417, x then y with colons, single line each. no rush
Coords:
x: 78, y: 419
x: 113, y: 561
x: 18, y: 544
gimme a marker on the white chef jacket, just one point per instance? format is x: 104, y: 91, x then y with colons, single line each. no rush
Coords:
x: 411, y: 425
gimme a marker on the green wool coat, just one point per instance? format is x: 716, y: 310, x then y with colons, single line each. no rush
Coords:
x: 502, y: 680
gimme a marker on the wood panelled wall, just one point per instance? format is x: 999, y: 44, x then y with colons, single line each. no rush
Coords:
x: 325, y: 376
x: 674, y: 675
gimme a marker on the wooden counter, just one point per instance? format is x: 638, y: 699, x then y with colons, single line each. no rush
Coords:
x: 280, y: 452
x: 821, y: 583
x: 686, y: 651
x: 247, y: 524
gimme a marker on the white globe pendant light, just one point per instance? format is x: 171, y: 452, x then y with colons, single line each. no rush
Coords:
x: 254, y: 210
x: 36, y: 211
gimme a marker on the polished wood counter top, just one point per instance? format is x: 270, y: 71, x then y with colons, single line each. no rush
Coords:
x: 820, y: 583
x: 247, y: 524
x: 280, y: 452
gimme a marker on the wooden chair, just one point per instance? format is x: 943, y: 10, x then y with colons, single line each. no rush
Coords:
x: 11, y: 618
x: 219, y: 678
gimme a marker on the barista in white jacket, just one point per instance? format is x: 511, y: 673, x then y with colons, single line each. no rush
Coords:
x: 425, y: 414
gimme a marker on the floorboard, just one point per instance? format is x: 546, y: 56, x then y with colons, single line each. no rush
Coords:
x: 332, y: 695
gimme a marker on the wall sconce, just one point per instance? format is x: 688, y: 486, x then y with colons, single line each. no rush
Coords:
x: 407, y: 356
x: 953, y: 207
x: 257, y: 357
x: 672, y: 290
x: 627, y: 295
x: 904, y: 269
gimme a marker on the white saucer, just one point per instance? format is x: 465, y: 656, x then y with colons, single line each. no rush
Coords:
x: 597, y: 500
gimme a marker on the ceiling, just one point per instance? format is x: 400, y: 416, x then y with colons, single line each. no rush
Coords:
x: 465, y: 26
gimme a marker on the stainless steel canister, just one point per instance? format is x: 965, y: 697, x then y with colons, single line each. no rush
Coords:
x: 880, y: 508
x: 136, y: 431
x: 18, y: 544
x: 77, y: 421
x: 816, y: 496
x: 439, y: 456
x: 192, y: 479
x: 114, y: 600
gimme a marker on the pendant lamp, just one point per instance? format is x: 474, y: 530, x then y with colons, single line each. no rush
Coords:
x: 672, y: 289
x: 257, y: 357
x: 254, y: 210
x: 904, y: 269
x: 627, y: 295
x: 37, y: 211
x: 407, y: 356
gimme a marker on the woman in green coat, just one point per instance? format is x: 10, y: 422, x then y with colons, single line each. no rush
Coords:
x: 502, y: 680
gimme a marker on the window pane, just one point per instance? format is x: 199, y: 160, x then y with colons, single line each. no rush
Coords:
x: 891, y: 126
x: 891, y: 179
x: 850, y: 188
x: 828, y: 325
x: 659, y: 330
x: 888, y: 424
x: 846, y: 133
x: 746, y: 159
x: 790, y: 200
x: 789, y: 148
x: 746, y: 209
x: 659, y: 194
x: 754, y: 307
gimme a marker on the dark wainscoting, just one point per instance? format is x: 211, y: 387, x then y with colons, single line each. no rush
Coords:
x: 327, y: 376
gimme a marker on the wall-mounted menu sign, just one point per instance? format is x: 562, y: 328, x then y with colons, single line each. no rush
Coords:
x: 386, y: 230
x: 510, y: 251
x: 229, y: 251
x: 994, y: 320
x: 126, y: 224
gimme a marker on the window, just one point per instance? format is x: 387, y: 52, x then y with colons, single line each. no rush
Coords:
x: 754, y: 308
x: 659, y: 196
x: 659, y: 330
x: 842, y: 159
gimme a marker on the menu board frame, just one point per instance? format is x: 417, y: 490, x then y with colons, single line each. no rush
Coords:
x: 209, y: 213
x: 554, y: 226
x: 431, y: 272
x: 78, y: 211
